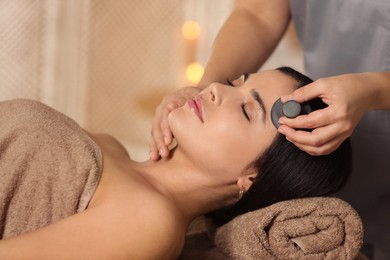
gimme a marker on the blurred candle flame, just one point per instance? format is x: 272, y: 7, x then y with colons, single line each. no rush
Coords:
x: 194, y: 72
x: 191, y: 30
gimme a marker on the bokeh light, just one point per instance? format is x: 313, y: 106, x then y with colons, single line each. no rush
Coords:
x: 194, y: 72
x: 191, y: 30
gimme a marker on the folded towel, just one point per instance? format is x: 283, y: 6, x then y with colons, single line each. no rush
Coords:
x: 49, y: 167
x: 308, y: 228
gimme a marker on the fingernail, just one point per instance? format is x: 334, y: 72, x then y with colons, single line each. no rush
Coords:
x: 288, y: 139
x: 166, y: 141
x: 281, y: 130
x: 152, y: 156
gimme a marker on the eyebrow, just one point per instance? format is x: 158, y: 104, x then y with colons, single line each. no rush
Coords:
x: 259, y: 100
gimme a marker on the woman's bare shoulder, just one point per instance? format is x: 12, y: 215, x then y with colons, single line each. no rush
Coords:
x: 148, y: 225
x: 151, y: 226
x: 162, y: 226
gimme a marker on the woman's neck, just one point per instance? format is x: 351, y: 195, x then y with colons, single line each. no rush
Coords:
x: 193, y: 192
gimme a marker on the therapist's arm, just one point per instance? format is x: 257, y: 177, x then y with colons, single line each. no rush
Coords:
x: 246, y: 40
x: 348, y: 97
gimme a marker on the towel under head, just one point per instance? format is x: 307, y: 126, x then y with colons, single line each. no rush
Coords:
x: 308, y: 228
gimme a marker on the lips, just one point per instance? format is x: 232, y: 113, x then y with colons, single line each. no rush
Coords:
x: 196, y: 107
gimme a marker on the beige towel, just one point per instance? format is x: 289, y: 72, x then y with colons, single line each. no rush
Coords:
x: 49, y: 167
x: 310, y: 228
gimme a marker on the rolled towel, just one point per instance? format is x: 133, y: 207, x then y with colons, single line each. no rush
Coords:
x: 308, y: 228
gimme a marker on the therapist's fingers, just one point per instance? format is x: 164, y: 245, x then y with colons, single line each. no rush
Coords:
x: 165, y: 130
x: 161, y: 133
x: 305, y: 93
x: 157, y: 146
x: 153, y: 154
x: 313, y: 120
x: 322, y: 150
x: 320, y: 141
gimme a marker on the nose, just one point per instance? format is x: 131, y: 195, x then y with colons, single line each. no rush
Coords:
x: 216, y: 92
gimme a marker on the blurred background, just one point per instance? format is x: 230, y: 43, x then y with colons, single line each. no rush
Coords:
x: 107, y: 64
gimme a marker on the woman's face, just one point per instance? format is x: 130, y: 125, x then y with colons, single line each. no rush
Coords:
x: 225, y: 128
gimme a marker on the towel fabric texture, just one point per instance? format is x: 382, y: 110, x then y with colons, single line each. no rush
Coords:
x: 49, y: 167
x: 308, y: 228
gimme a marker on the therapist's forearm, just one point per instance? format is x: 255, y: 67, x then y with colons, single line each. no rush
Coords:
x: 380, y: 82
x: 246, y: 40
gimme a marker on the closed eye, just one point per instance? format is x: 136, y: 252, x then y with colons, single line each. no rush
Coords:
x: 242, y: 79
x: 244, y: 112
x: 243, y: 105
x: 230, y: 83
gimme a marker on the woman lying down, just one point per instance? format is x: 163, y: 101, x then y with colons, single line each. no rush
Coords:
x: 68, y: 193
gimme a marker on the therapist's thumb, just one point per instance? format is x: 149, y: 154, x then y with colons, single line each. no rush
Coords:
x: 303, y: 94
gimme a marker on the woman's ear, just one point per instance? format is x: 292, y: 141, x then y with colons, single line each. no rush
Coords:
x: 246, y: 180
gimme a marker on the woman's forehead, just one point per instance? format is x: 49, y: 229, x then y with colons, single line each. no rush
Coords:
x: 273, y: 82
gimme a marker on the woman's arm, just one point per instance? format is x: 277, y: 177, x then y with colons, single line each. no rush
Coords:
x: 109, y: 232
x: 348, y: 96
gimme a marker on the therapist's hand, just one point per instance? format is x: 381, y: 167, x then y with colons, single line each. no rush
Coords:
x: 161, y: 135
x: 348, y: 97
